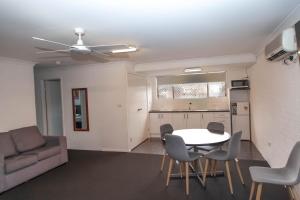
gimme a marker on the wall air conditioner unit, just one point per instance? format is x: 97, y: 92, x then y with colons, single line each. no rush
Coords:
x: 283, y: 45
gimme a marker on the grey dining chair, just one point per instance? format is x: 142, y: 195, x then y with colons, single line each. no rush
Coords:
x: 289, y: 175
x: 177, y: 151
x: 226, y: 156
x: 164, y: 129
x: 214, y: 127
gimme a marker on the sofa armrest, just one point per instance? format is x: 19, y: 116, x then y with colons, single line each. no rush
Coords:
x: 2, y: 173
x: 62, y: 142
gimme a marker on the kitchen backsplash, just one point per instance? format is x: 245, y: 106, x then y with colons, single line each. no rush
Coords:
x: 180, y: 104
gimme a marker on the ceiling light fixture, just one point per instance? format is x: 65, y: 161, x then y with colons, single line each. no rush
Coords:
x: 193, y: 69
x: 129, y: 49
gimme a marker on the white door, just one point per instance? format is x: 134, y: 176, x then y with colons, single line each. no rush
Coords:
x: 53, y: 108
x: 193, y: 120
x: 178, y: 121
x: 137, y: 110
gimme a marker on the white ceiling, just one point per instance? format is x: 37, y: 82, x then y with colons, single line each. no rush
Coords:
x: 162, y: 29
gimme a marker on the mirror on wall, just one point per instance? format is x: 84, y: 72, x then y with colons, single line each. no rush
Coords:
x: 297, y: 28
x: 80, y: 109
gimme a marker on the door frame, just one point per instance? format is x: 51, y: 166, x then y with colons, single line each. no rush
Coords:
x: 44, y: 104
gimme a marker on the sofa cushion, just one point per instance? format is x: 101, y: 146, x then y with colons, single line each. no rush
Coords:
x: 7, y: 146
x: 19, y: 162
x: 44, y: 152
x: 27, y: 138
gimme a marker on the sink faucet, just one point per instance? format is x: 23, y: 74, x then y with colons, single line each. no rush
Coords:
x: 190, y: 105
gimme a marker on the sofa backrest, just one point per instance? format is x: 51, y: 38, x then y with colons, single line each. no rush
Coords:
x: 7, y: 146
x: 27, y: 138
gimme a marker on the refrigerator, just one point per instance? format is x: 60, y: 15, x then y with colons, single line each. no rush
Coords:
x: 240, y: 112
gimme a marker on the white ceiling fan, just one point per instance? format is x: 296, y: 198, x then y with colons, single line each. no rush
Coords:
x: 80, y: 48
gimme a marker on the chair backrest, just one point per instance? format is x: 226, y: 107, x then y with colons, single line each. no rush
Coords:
x: 293, y: 165
x: 175, y: 148
x: 216, y: 127
x: 165, y: 129
x: 234, y: 146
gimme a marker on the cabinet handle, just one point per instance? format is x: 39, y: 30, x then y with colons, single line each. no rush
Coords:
x: 183, y: 116
x: 187, y: 116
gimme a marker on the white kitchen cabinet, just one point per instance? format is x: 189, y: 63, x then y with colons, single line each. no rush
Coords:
x: 178, y: 121
x: 206, y: 117
x: 186, y: 120
x: 193, y: 120
x: 156, y: 120
x: 165, y: 118
x: 182, y: 120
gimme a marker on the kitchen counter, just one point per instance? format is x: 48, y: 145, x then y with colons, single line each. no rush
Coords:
x: 179, y: 111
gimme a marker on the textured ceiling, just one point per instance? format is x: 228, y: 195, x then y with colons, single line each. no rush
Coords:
x: 163, y: 30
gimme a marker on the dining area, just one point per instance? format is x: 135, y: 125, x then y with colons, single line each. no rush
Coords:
x: 212, y: 153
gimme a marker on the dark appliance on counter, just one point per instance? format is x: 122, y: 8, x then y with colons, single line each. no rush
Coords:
x: 238, y: 84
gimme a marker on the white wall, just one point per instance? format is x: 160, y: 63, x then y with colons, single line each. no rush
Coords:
x: 17, y: 103
x: 106, y: 84
x: 275, y: 101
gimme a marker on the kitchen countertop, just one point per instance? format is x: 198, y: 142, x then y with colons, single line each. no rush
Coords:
x: 200, y: 110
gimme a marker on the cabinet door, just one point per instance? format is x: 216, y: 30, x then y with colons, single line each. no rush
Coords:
x: 206, y: 118
x: 155, y: 123
x: 178, y: 121
x: 193, y: 120
x: 166, y: 118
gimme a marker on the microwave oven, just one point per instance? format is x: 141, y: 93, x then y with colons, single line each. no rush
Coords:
x: 240, y: 83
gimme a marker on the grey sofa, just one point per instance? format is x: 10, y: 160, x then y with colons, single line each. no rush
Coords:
x: 25, y: 153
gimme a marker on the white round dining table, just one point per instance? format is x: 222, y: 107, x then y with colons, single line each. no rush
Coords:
x: 201, y: 137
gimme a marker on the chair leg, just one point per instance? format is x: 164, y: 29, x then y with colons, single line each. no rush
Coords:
x: 252, y: 190
x: 162, y: 162
x: 180, y: 169
x: 239, y: 171
x: 169, y: 171
x: 258, y: 193
x: 229, y: 176
x: 187, y: 186
x: 215, y: 168
x: 205, y: 171
x: 200, y: 166
x: 291, y: 192
x: 212, y: 167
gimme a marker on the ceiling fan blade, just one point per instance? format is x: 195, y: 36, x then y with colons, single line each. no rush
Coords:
x: 108, y: 47
x: 41, y: 39
x: 101, y: 53
x: 55, y: 51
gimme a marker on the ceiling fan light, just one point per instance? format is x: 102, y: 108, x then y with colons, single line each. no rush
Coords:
x: 129, y: 49
x: 192, y: 69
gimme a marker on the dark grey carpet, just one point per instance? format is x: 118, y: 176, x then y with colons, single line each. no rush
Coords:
x: 127, y: 176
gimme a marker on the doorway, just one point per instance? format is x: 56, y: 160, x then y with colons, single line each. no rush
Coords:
x: 53, y: 122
